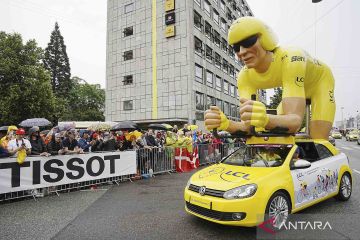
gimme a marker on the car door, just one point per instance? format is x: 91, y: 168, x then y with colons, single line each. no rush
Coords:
x: 327, y: 175
x: 305, y: 179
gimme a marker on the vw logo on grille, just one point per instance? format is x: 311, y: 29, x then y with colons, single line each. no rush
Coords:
x: 202, y: 190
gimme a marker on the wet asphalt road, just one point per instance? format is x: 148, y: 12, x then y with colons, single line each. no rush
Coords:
x: 150, y: 209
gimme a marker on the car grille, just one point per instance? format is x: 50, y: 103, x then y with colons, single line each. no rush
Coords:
x: 208, y: 191
x: 222, y: 216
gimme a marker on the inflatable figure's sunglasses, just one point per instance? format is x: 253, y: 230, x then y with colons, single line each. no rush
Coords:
x: 246, y: 43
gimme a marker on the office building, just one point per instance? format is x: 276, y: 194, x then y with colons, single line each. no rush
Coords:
x: 169, y: 60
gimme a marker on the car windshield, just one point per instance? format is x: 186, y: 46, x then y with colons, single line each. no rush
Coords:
x: 259, y: 156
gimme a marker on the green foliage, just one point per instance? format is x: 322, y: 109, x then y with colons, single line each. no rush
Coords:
x: 86, y: 102
x: 25, y: 84
x: 276, y: 98
x: 57, y: 62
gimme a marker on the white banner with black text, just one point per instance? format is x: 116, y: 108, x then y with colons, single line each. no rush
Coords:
x: 38, y: 172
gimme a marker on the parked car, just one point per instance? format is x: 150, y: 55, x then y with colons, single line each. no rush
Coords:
x: 266, y: 178
x: 332, y: 140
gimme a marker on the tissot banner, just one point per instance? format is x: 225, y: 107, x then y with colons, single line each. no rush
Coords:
x: 38, y: 172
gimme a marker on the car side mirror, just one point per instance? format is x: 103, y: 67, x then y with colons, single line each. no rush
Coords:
x: 300, y: 164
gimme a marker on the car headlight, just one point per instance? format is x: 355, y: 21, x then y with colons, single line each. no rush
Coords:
x: 241, y: 192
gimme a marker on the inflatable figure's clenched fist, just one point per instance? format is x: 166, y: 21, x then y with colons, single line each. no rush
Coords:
x: 253, y: 113
x: 215, y: 118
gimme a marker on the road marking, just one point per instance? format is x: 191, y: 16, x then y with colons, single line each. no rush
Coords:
x: 358, y: 172
x: 346, y: 148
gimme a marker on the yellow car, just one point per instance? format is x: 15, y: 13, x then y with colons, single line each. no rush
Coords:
x: 268, y: 178
x: 336, y: 135
x: 352, y: 136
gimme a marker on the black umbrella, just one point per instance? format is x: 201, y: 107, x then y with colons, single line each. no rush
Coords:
x: 4, y: 128
x: 40, y: 122
x: 125, y: 125
x: 157, y: 126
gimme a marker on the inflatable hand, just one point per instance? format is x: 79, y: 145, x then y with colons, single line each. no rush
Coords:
x: 259, y: 118
x: 215, y: 118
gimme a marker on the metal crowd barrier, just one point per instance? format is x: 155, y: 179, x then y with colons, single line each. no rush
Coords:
x: 150, y: 161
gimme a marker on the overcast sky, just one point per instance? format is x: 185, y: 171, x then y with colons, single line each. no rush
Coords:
x: 332, y: 24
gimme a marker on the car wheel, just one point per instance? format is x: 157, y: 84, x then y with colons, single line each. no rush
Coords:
x: 278, y: 209
x: 345, y: 188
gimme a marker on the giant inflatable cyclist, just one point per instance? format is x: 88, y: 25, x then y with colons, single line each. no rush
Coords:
x: 268, y: 65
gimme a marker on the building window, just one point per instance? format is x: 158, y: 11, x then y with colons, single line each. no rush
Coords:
x: 209, y: 53
x: 128, y: 105
x: 233, y: 110
x: 226, y: 87
x: 128, y: 55
x: 209, y: 78
x: 218, y: 60
x: 128, y: 80
x: 199, y: 116
x: 226, y: 108
x: 198, y: 73
x: 238, y: 112
x: 237, y: 93
x: 222, y: 5
x: 199, y: 101
x: 231, y: 52
x: 208, y: 30
x: 224, y: 44
x: 232, y: 90
x: 207, y: 8
x: 236, y: 72
x: 198, y: 21
x: 216, y: 17
x: 210, y: 101
x: 219, y: 104
x: 216, y: 36
x: 231, y: 70
x: 198, y: 2
x: 129, y: 8
x: 225, y: 66
x: 228, y: 14
x: 128, y: 31
x: 198, y: 46
x: 218, y: 83
x: 223, y: 25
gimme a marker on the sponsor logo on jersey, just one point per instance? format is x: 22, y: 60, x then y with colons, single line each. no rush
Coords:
x: 297, y: 59
x: 299, y: 81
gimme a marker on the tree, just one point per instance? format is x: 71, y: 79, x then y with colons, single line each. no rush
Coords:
x: 57, y: 62
x: 87, y: 102
x: 25, y: 84
x: 276, y: 98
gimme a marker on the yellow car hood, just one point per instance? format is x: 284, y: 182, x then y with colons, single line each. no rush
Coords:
x: 225, y: 177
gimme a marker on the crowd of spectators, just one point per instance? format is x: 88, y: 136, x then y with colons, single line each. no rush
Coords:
x: 72, y: 141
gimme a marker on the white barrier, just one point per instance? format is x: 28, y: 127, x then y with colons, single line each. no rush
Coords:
x: 38, y: 172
